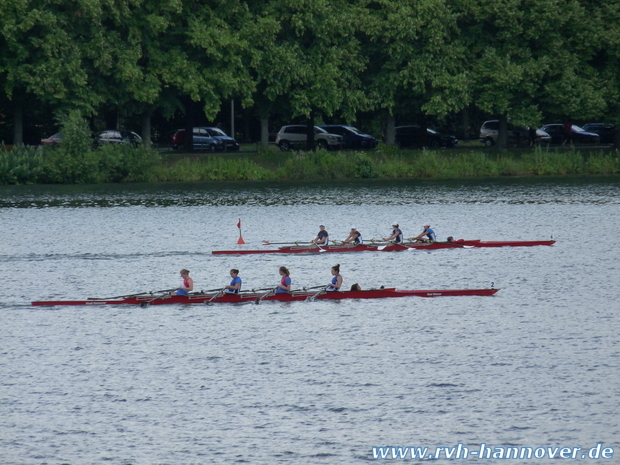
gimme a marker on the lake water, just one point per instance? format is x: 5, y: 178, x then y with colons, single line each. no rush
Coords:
x: 536, y: 365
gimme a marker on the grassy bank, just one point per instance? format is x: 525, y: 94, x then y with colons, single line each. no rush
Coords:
x: 387, y: 163
x: 73, y: 164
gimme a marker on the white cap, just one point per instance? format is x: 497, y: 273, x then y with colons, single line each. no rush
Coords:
x: 353, y: 227
x: 426, y: 224
x: 322, y: 224
x: 394, y: 223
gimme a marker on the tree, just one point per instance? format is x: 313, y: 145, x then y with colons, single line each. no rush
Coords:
x: 417, y: 57
x: 529, y: 55
x: 169, y: 54
x: 306, y: 57
x: 43, y: 55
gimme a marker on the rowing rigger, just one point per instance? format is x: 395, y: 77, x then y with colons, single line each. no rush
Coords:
x: 202, y: 298
x: 387, y: 247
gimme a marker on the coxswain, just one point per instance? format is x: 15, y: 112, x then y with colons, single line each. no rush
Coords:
x: 188, y: 284
x: 235, y: 285
x: 284, y: 287
x: 322, y: 238
x: 355, y: 237
x: 397, y: 234
x: 428, y: 232
x: 336, y: 283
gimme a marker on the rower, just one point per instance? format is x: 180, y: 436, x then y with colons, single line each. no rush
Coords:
x: 322, y: 237
x: 428, y: 232
x: 355, y: 237
x: 235, y: 285
x: 397, y: 234
x: 336, y: 280
x: 188, y: 284
x: 284, y: 287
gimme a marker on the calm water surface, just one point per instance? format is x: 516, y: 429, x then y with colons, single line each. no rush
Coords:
x: 537, y: 365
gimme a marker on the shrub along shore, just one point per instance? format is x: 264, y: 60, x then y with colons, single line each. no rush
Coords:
x: 84, y: 164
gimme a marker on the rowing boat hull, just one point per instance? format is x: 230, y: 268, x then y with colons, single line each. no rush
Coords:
x: 252, y: 296
x: 385, y: 247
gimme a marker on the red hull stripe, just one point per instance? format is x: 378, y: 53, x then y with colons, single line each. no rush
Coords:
x: 387, y: 247
x: 250, y: 297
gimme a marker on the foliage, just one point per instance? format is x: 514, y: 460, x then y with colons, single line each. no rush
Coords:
x: 522, y: 59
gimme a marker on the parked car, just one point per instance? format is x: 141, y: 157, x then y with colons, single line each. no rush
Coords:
x: 296, y: 134
x: 119, y: 137
x: 489, y: 133
x: 352, y: 138
x: 556, y: 131
x: 211, y: 139
x: 56, y: 139
x: 412, y: 136
x: 607, y: 132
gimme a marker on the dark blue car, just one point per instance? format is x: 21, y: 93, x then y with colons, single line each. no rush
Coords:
x: 352, y: 138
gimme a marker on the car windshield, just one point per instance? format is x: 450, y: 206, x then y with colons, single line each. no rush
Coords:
x: 318, y: 130
x: 352, y: 129
x: 432, y: 131
x: 578, y: 129
x: 216, y: 132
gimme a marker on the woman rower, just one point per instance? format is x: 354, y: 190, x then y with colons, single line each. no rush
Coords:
x: 355, y: 237
x: 428, y: 232
x: 235, y: 285
x: 397, y: 234
x: 284, y: 286
x: 188, y: 284
x: 336, y: 280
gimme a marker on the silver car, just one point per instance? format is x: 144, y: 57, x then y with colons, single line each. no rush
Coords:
x: 489, y: 132
x: 297, y: 134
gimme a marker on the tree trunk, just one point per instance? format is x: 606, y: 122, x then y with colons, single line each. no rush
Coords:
x: 310, y: 132
x: 465, y: 122
x: 390, y: 130
x: 18, y: 124
x: 264, y: 131
x: 146, y: 128
x: 502, y: 136
x: 188, y: 144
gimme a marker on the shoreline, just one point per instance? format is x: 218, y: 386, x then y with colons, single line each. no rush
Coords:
x: 30, y: 166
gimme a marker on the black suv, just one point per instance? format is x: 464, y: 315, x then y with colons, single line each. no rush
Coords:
x: 413, y: 136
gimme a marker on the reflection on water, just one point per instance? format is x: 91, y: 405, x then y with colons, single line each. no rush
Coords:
x: 564, y: 190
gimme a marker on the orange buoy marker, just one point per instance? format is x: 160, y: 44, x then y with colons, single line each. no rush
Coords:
x: 240, y: 240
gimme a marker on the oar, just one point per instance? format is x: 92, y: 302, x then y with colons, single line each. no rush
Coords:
x: 202, y: 291
x: 130, y: 295
x: 313, y: 287
x: 314, y: 296
x: 217, y: 294
x: 320, y: 249
x: 266, y: 294
x: 285, y: 243
x: 165, y: 293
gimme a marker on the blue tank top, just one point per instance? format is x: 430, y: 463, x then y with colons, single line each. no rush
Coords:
x: 334, y: 282
x: 232, y: 283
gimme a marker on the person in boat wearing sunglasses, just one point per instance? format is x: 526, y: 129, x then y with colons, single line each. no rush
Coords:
x: 428, y: 232
x: 355, y: 237
x: 322, y: 238
x: 397, y: 234
x: 188, y: 284
x: 235, y: 285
